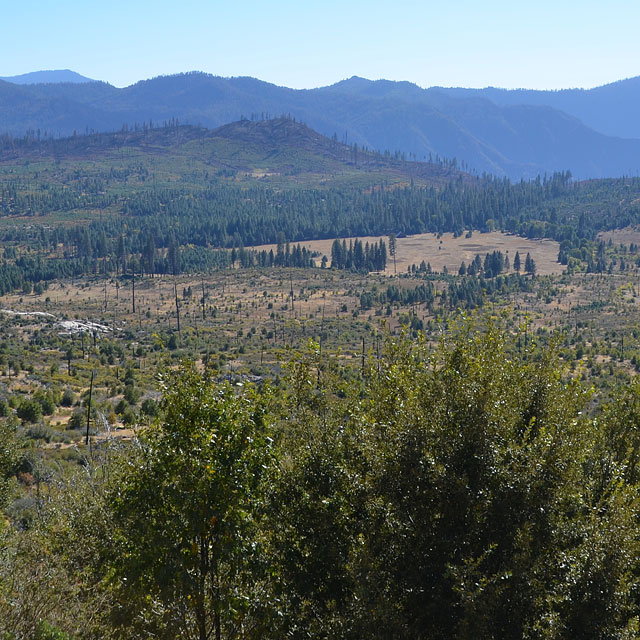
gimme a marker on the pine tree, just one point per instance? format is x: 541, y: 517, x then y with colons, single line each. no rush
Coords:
x: 530, y: 265
x: 516, y: 262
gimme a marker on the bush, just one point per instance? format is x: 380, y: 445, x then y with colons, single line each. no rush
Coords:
x: 78, y: 419
x: 72, y: 455
x: 150, y: 407
x: 121, y: 407
x: 46, y: 401
x: 68, y: 398
x: 30, y: 411
x: 39, y: 432
x: 23, y: 512
x: 131, y: 395
x: 129, y: 417
x: 46, y: 632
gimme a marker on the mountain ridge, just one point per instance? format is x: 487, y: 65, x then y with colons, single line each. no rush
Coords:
x: 515, y: 140
x: 610, y: 108
x: 280, y: 151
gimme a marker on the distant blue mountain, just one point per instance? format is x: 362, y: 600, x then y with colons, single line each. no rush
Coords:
x: 519, y: 134
x: 611, y: 109
x: 47, y: 77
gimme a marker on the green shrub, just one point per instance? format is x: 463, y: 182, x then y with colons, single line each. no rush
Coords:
x: 131, y: 395
x: 121, y: 407
x: 39, y: 432
x: 46, y: 632
x: 129, y: 417
x: 46, y: 401
x: 150, y: 407
x: 78, y: 419
x: 29, y: 410
x: 68, y: 398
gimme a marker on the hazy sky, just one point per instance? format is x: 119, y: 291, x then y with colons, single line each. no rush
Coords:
x: 308, y: 43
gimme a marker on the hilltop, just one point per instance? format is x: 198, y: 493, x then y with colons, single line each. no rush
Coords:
x: 43, y: 77
x: 281, y: 151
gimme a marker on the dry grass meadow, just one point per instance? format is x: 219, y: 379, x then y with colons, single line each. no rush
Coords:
x: 450, y: 252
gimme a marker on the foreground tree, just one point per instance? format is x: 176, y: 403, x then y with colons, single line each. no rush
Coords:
x: 184, y: 509
x: 462, y: 493
x: 312, y: 524
x: 489, y: 513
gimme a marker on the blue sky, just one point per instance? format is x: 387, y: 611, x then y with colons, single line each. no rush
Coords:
x: 543, y: 44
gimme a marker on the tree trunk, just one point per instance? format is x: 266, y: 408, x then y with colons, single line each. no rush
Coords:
x: 89, y: 409
x: 175, y: 291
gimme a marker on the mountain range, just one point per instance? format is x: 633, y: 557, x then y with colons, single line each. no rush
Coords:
x: 519, y: 134
x: 611, y: 109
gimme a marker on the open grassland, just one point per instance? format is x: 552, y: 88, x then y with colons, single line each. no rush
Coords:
x: 625, y: 236
x: 446, y: 250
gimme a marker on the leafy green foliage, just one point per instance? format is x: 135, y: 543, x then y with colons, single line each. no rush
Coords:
x: 184, y: 506
x: 46, y: 632
x: 310, y: 503
x: 465, y: 496
x: 462, y: 490
x: 483, y: 508
x: 29, y: 410
x: 10, y: 456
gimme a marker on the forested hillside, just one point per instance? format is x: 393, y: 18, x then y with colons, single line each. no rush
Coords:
x: 257, y: 182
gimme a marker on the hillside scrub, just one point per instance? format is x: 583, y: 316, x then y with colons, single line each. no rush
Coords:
x: 458, y: 491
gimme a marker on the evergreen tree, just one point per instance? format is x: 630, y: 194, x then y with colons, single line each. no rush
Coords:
x: 516, y: 262
x: 529, y: 265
